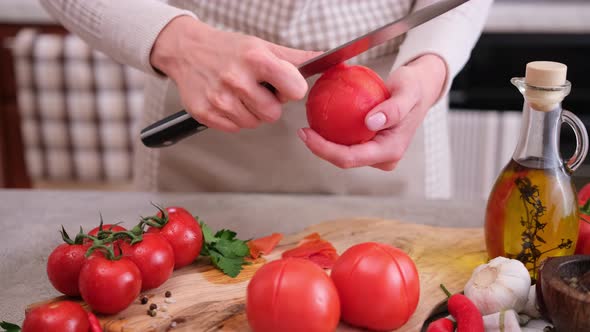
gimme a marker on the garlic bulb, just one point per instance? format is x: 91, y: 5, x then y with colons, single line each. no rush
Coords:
x: 501, y: 284
x: 530, y: 309
x: 503, y: 321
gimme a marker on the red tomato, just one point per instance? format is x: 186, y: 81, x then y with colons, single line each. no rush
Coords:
x: 184, y: 234
x: 339, y: 101
x: 584, y: 194
x: 292, y: 294
x: 378, y: 285
x: 64, y: 316
x: 63, y: 267
x: 583, y: 244
x: 109, y: 286
x: 94, y: 323
x: 154, y: 257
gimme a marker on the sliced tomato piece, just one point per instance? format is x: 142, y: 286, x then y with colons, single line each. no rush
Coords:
x: 315, y: 249
x: 264, y: 245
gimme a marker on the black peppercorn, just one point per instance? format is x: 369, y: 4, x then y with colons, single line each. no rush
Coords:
x: 152, y: 313
x: 153, y: 306
x: 167, y: 294
x: 144, y: 300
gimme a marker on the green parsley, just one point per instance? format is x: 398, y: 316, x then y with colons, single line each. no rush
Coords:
x: 9, y: 327
x: 226, y: 252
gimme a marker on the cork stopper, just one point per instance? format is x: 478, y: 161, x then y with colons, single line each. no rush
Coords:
x: 547, y: 84
x: 545, y: 73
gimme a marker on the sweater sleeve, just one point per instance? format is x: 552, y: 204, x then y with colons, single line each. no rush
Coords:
x: 451, y: 36
x: 123, y: 29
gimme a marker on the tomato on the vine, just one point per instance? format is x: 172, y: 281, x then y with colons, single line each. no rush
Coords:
x: 378, y: 285
x: 292, y: 294
x: 182, y: 231
x: 109, y: 286
x: 64, y: 316
x: 154, y: 257
x: 64, y: 264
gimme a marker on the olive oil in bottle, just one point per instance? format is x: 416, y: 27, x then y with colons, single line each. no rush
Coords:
x: 532, y: 210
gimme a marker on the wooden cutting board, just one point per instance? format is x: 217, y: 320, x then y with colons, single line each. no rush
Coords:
x: 207, y: 300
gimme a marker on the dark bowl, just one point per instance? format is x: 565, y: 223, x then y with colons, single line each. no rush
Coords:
x: 567, y: 307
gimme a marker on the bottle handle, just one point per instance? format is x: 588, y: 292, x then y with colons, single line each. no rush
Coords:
x: 581, y: 139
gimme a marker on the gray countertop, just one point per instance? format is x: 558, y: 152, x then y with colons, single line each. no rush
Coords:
x: 29, y: 221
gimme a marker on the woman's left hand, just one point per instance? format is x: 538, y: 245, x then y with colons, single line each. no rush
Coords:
x: 414, y: 88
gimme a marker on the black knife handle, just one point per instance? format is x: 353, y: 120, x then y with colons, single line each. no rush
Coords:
x: 170, y: 130
x: 176, y: 127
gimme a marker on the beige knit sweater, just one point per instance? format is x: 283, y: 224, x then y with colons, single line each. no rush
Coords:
x: 270, y: 158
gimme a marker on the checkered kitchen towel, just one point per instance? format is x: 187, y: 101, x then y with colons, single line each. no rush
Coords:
x: 78, y: 109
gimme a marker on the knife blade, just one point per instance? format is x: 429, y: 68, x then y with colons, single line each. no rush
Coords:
x: 180, y: 125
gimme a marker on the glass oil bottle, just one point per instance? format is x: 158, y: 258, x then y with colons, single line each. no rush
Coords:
x: 532, y: 210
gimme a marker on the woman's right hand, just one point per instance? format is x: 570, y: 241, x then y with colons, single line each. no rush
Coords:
x: 218, y: 73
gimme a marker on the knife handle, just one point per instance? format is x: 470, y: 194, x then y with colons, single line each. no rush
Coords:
x: 176, y: 127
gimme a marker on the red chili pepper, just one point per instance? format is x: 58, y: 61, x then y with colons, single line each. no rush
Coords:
x: 468, y: 317
x: 94, y: 323
x: 441, y: 325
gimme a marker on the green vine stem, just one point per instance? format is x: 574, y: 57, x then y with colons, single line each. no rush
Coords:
x: 155, y: 220
x: 79, y: 239
x: 108, y: 250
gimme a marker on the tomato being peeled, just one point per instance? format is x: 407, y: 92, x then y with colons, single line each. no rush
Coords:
x: 154, y: 257
x: 339, y: 101
x: 183, y: 232
x: 64, y: 316
x: 292, y: 294
x: 378, y: 285
x: 109, y: 286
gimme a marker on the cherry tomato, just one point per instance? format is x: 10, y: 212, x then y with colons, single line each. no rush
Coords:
x: 64, y: 316
x: 339, y: 101
x: 63, y: 267
x: 378, y: 285
x: 292, y: 294
x: 109, y: 286
x: 154, y: 257
x: 583, y: 244
x: 184, y: 234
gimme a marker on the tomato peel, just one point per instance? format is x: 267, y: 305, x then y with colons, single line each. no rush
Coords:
x: 315, y: 249
x: 264, y: 245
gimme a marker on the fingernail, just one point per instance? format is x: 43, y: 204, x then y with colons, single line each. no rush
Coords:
x: 301, y: 133
x: 376, y: 121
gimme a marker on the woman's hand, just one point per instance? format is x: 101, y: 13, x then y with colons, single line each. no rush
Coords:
x: 414, y: 89
x: 218, y: 73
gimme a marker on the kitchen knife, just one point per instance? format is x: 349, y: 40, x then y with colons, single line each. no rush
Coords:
x: 180, y: 125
